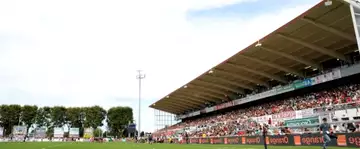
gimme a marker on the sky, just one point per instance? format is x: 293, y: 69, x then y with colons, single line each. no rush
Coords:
x: 87, y: 52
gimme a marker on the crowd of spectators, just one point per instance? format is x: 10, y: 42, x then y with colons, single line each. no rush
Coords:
x: 239, y: 122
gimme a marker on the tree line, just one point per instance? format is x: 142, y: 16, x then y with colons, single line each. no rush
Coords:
x: 31, y: 116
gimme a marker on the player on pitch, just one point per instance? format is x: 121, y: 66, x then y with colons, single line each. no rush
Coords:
x: 325, y: 128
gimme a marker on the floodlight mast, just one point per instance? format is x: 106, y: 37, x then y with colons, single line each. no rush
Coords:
x: 140, y: 76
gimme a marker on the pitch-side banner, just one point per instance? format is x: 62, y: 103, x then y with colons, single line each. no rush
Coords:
x: 74, y: 132
x: 19, y: 131
x: 88, y: 132
x: 346, y: 140
x: 1, y: 131
x: 40, y: 132
x: 58, y: 132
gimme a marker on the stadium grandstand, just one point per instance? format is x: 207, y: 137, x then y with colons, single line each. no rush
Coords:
x: 307, y: 67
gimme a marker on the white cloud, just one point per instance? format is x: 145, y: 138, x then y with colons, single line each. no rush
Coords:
x: 86, y: 52
x: 209, y: 4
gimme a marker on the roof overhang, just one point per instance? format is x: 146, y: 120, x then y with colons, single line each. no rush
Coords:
x: 317, y: 35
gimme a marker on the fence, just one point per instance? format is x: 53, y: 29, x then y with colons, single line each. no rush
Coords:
x: 344, y: 139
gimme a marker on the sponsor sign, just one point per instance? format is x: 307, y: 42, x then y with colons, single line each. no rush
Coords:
x: 255, y: 97
x: 217, y: 140
x: 40, y: 132
x: 210, y: 109
x: 302, y: 121
x: 58, y: 132
x: 181, y: 116
x: 88, y: 133
x: 1, y: 131
x: 195, y: 113
x: 335, y: 74
x: 132, y: 125
x: 252, y: 140
x: 204, y: 141
x: 349, y: 140
x: 303, y: 83
x: 279, y: 140
x: 232, y: 140
x: 241, y: 101
x: 74, y: 132
x: 194, y: 140
x: 262, y: 95
x: 268, y: 93
x: 284, y: 89
x: 352, y: 140
x: 312, y: 140
x: 19, y: 131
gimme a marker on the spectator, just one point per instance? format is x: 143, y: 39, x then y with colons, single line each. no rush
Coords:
x: 357, y: 128
x: 239, y: 122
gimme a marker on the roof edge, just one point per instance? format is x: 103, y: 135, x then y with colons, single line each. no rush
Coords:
x: 266, y: 36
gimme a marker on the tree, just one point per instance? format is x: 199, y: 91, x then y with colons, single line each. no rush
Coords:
x: 73, y: 117
x: 3, y: 117
x: 105, y: 133
x: 98, y: 132
x: 43, y: 117
x: 28, y: 116
x: 58, y: 116
x: 118, y: 118
x: 94, y: 117
x: 50, y: 131
x: 10, y: 116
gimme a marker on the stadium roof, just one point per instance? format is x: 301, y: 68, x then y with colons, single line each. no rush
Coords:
x: 319, y: 34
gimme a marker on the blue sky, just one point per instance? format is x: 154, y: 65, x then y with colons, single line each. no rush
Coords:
x: 245, y: 10
x: 66, y: 53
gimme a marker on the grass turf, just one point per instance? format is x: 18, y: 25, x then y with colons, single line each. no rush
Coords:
x: 48, y: 145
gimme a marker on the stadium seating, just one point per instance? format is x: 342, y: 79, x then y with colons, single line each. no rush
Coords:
x: 240, y: 122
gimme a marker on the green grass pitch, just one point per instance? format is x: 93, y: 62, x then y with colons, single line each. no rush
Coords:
x: 114, y: 145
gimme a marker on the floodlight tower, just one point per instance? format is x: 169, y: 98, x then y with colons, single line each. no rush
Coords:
x: 139, y: 76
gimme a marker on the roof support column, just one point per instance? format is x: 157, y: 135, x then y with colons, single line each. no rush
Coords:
x: 355, y: 15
